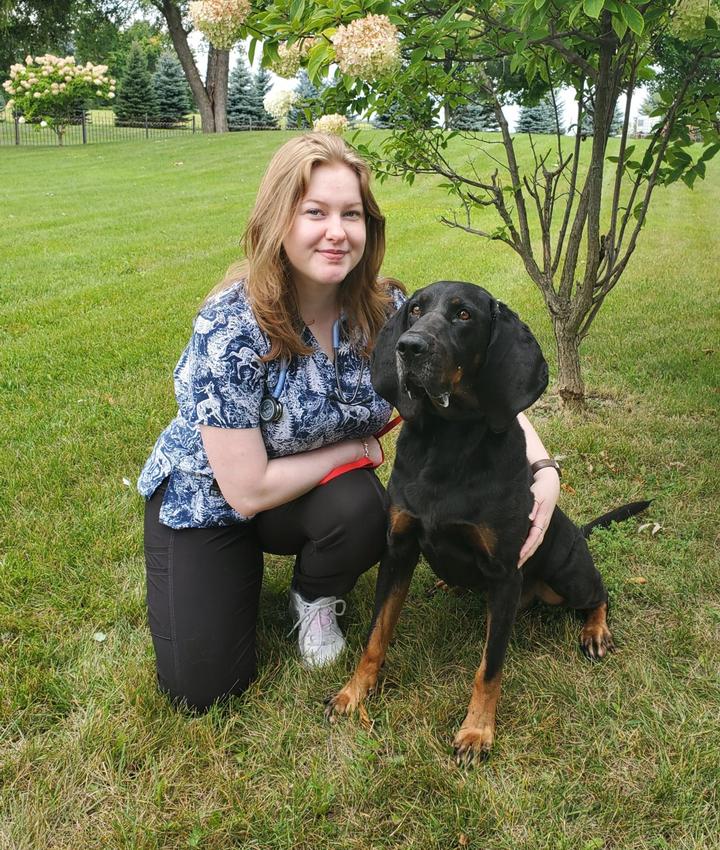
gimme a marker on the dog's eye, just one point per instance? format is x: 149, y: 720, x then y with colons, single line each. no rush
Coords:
x: 463, y: 315
x: 415, y: 310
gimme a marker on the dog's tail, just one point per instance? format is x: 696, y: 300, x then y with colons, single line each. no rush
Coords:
x: 617, y: 515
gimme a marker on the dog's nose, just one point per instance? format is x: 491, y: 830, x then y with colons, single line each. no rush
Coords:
x: 411, y: 346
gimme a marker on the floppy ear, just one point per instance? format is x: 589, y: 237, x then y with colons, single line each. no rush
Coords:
x: 383, y: 365
x: 515, y: 373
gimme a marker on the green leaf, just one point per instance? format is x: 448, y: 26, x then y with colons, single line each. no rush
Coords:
x: 318, y: 57
x: 592, y: 8
x: 689, y: 178
x: 574, y: 12
x: 632, y: 18
x: 710, y: 152
x: 619, y: 25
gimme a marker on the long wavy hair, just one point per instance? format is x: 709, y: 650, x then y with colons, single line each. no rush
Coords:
x: 364, y: 297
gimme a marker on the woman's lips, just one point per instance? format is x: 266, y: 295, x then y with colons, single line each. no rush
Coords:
x: 333, y: 255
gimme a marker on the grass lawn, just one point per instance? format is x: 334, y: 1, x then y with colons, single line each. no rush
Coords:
x: 107, y: 251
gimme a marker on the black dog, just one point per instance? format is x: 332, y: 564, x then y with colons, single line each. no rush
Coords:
x: 459, y: 366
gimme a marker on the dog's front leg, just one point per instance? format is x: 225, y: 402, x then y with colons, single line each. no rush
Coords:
x: 394, y: 575
x: 475, y: 736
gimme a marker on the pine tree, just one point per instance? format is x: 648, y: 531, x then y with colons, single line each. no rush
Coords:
x: 474, y: 116
x: 171, y: 90
x: 588, y: 120
x: 308, y: 94
x: 135, y: 98
x: 541, y: 118
x: 261, y: 86
x: 242, y: 106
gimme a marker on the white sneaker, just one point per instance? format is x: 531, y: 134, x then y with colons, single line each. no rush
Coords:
x: 320, y: 640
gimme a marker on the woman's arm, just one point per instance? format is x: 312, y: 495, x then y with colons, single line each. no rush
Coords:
x: 545, y: 490
x: 251, y: 483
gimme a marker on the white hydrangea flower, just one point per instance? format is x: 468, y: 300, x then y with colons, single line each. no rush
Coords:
x: 220, y: 21
x: 333, y: 123
x: 279, y: 103
x: 43, y: 123
x: 21, y: 119
x: 367, y: 48
x: 290, y: 57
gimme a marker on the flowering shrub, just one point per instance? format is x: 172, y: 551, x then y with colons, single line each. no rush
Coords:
x: 334, y: 123
x: 367, y: 48
x: 220, y: 21
x: 50, y: 90
x: 290, y: 57
x: 279, y: 104
x: 688, y: 23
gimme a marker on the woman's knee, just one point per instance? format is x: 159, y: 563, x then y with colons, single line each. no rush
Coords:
x: 199, y: 696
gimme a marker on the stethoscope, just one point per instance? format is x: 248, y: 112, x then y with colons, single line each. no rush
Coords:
x: 271, y: 408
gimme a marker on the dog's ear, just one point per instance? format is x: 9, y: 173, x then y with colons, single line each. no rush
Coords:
x: 383, y: 365
x: 515, y: 373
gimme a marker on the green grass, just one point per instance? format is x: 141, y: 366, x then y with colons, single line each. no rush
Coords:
x: 107, y: 252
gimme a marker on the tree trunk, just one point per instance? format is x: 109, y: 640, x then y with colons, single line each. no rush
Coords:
x: 570, y: 383
x: 211, y: 101
x: 216, y: 85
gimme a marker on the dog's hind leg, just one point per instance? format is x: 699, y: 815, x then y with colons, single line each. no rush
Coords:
x: 394, y: 575
x: 477, y: 733
x: 578, y: 583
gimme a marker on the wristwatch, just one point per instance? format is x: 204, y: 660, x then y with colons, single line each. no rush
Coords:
x: 548, y: 461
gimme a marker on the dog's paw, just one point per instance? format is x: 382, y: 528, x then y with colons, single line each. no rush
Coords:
x: 347, y: 701
x: 596, y: 641
x: 472, y: 744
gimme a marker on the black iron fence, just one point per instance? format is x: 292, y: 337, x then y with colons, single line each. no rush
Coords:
x: 91, y: 127
x: 103, y: 126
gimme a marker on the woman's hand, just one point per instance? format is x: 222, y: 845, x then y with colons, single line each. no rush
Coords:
x: 546, y: 491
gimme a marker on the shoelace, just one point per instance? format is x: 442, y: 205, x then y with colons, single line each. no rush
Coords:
x: 320, y: 612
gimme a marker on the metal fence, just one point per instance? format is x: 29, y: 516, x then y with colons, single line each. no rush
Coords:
x: 103, y: 126
x: 91, y: 127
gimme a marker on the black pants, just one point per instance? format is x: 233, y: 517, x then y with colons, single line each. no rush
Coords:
x: 203, y: 584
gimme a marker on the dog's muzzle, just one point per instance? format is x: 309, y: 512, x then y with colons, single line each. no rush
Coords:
x: 417, y: 362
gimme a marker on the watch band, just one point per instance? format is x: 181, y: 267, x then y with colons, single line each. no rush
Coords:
x: 548, y: 461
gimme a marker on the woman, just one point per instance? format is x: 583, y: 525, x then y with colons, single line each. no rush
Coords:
x: 274, y: 398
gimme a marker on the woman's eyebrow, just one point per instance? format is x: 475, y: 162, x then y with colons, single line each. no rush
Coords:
x: 328, y: 203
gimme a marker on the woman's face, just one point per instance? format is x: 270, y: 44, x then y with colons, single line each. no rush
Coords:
x: 327, y: 238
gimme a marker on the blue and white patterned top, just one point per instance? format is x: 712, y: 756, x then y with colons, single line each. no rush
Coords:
x: 220, y: 380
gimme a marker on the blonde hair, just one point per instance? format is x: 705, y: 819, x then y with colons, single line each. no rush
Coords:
x: 364, y: 297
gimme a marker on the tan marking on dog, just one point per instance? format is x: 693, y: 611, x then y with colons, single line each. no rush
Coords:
x: 400, y: 521
x: 547, y: 594
x: 477, y: 732
x: 351, y: 697
x: 484, y: 538
x: 457, y: 376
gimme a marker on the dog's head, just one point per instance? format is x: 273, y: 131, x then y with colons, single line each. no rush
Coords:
x: 452, y: 350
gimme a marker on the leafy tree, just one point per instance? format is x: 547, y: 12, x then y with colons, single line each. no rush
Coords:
x: 172, y: 100
x: 210, y: 95
x: 61, y: 27
x: 242, y: 108
x: 573, y: 221
x: 136, y: 96
x: 543, y: 117
x: 51, y: 90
